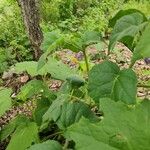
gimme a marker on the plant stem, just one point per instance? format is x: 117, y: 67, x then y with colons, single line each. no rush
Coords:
x: 66, y: 145
x: 51, y: 135
x: 132, y: 64
x: 86, y: 60
x: 144, y: 86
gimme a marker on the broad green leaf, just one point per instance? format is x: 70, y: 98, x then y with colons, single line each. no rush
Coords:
x: 101, y: 80
x: 29, y: 66
x: 59, y: 70
x: 122, y: 13
x: 125, y: 87
x: 42, y: 61
x: 71, y: 112
x: 65, y: 112
x: 48, y: 145
x: 142, y: 49
x: 53, y: 112
x: 106, y: 80
x: 126, y: 28
x: 80, y: 42
x: 33, y: 88
x: 7, y: 130
x: 5, y: 100
x: 122, y: 128
x: 23, y: 137
x: 74, y: 43
x: 51, y: 66
x: 13, y: 124
x: 52, y: 40
x: 75, y: 81
x: 88, y: 136
x: 91, y: 37
x: 42, y: 106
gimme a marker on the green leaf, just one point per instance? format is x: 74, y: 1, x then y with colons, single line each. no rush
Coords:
x: 106, y: 80
x: 7, y: 130
x: 71, y: 112
x: 52, y: 66
x: 42, y: 61
x: 13, y: 124
x: 88, y: 136
x: 125, y: 87
x: 33, y: 88
x: 74, y: 43
x: 122, y: 128
x: 58, y: 70
x: 5, y: 100
x: 48, y: 145
x: 126, y: 28
x: 42, y: 107
x: 81, y: 41
x: 122, y: 13
x: 65, y: 112
x: 75, y: 81
x: 91, y: 37
x: 142, y: 49
x: 29, y: 66
x: 52, y: 40
x: 101, y: 80
x: 53, y: 112
x: 23, y: 137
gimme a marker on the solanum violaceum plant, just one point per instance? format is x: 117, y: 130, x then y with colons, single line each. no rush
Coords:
x: 68, y: 119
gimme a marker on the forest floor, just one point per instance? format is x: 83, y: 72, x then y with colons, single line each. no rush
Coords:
x: 121, y: 56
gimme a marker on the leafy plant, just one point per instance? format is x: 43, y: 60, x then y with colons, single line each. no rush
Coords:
x: 102, y: 109
x: 122, y: 128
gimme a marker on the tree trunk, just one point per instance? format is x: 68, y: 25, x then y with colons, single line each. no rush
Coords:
x: 31, y: 19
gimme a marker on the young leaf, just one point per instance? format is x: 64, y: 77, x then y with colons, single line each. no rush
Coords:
x: 5, y: 100
x: 23, y: 137
x: 72, y: 112
x: 65, y: 113
x: 75, y: 81
x: 52, y: 40
x: 42, y: 106
x: 142, y: 49
x: 58, y: 70
x: 7, y: 130
x: 80, y: 42
x: 48, y: 145
x: 126, y: 28
x: 91, y: 37
x: 122, y: 128
x: 13, y: 124
x: 106, y: 80
x: 33, y: 88
x: 74, y: 43
x: 29, y: 66
x: 122, y: 13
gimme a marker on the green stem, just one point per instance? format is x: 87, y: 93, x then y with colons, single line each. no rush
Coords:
x: 86, y: 61
x: 108, y: 52
x: 132, y: 64
x: 66, y: 145
x: 144, y: 86
x: 51, y: 135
